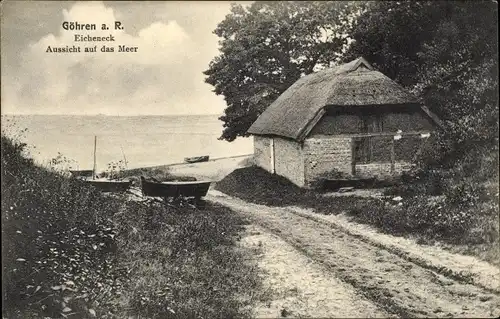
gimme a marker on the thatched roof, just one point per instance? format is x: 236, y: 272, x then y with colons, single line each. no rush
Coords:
x: 298, y: 109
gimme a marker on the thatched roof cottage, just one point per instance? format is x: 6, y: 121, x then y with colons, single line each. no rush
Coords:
x: 349, y: 121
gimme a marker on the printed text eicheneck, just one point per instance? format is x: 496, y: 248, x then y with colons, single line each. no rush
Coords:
x: 90, y: 38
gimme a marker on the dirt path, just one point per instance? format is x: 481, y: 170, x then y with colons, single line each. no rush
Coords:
x: 465, y: 268
x: 301, y: 288
x: 394, y: 284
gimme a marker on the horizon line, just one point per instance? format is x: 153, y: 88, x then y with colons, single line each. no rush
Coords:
x: 115, y: 115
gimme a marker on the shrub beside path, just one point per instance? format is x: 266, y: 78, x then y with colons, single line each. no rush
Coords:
x: 400, y: 277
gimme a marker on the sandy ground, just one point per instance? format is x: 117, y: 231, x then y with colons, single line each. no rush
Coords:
x: 213, y: 170
x: 353, y: 265
x: 375, y: 193
x: 301, y: 288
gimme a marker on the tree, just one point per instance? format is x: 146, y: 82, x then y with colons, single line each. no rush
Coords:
x: 390, y: 35
x: 266, y: 47
x: 446, y: 52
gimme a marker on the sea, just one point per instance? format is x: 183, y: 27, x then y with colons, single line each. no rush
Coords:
x: 136, y: 141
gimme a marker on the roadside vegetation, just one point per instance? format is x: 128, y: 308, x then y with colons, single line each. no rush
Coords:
x: 461, y: 214
x: 183, y: 263
x: 69, y: 251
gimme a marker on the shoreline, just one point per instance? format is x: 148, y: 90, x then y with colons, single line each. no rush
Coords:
x: 214, y: 169
x: 183, y: 163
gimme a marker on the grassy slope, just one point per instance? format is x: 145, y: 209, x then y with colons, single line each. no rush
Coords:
x: 183, y: 262
x: 68, y: 250
x: 462, y: 220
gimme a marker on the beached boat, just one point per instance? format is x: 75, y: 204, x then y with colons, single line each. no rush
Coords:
x: 82, y: 173
x: 196, y: 159
x: 104, y: 185
x: 175, y: 189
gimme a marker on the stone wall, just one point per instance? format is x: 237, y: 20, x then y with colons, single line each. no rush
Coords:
x: 289, y: 160
x: 380, y: 170
x: 327, y: 156
x: 324, y: 155
x: 262, y: 152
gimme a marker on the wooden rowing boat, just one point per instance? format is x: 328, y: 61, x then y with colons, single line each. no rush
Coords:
x: 196, y: 159
x: 104, y: 185
x: 175, y: 189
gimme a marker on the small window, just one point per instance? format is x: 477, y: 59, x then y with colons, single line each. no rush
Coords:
x: 362, y: 150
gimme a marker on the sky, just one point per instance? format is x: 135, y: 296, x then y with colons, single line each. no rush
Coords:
x: 164, y: 77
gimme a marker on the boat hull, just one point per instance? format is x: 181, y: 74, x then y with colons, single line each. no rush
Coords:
x: 196, y: 189
x: 82, y: 173
x: 110, y: 186
x: 196, y: 159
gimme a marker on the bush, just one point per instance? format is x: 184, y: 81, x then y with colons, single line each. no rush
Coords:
x: 418, y: 181
x: 466, y: 194
x: 114, y: 170
x: 434, y: 218
x: 418, y: 216
x: 486, y: 223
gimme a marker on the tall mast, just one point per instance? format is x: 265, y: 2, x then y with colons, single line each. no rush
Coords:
x: 94, y: 169
x: 126, y: 164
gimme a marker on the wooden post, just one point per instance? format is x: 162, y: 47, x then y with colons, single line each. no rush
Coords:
x: 273, y: 160
x: 94, y: 168
x: 370, y: 149
x: 393, y: 155
x: 353, y: 156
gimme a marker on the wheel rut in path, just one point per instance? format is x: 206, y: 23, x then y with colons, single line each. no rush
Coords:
x: 395, y: 284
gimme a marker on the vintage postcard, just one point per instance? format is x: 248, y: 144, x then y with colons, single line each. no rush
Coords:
x: 249, y: 159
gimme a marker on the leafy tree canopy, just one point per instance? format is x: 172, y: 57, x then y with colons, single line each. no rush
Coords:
x: 447, y: 53
x: 266, y: 47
